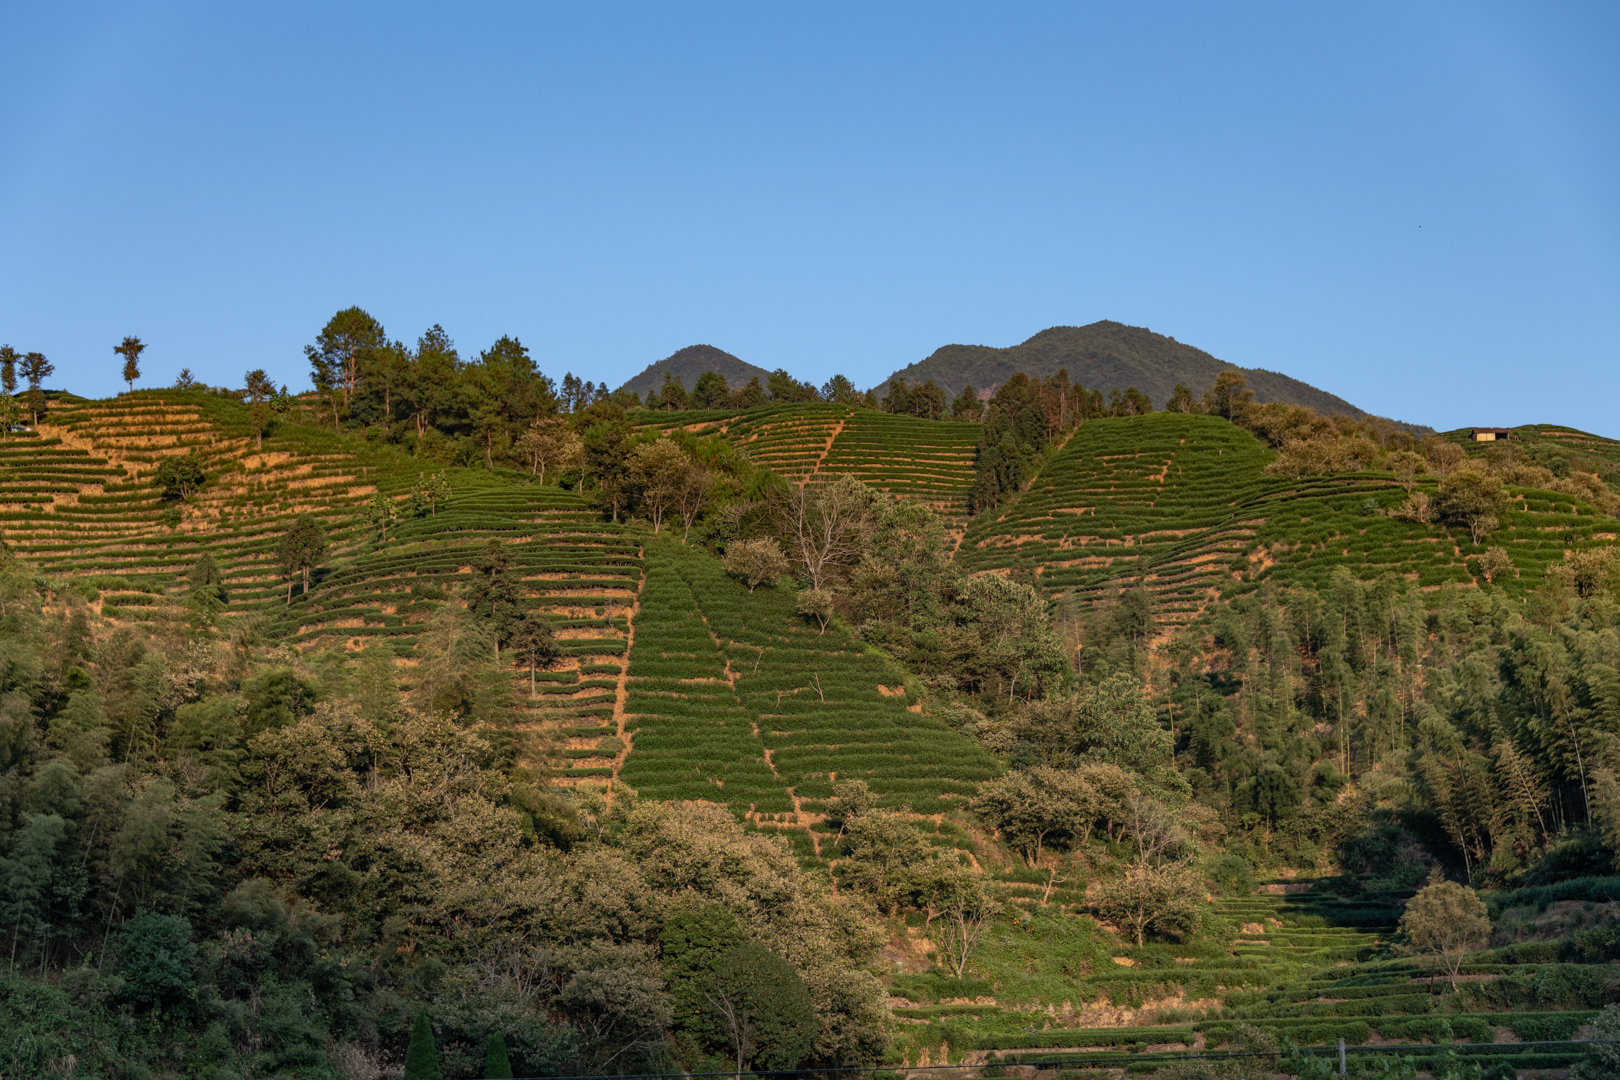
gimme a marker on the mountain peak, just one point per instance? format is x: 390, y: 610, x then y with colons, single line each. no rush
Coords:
x: 688, y: 363
x: 1108, y: 355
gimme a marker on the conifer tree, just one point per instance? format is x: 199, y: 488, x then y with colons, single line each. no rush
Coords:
x: 497, y: 1066
x: 259, y: 391
x: 422, y: 1057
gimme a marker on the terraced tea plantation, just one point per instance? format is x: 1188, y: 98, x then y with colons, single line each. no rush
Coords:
x: 1182, y: 503
x: 104, y: 523
x: 1164, y: 491
x: 82, y: 501
x: 930, y: 461
x: 734, y: 697
x: 1305, y: 963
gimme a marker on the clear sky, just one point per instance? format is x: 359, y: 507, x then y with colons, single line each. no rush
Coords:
x: 1413, y: 205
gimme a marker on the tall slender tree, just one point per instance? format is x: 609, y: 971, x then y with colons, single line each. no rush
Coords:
x: 8, y: 368
x: 259, y: 391
x: 131, y: 351
x: 36, y: 369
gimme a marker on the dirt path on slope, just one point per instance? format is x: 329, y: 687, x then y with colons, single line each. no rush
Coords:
x: 838, y: 429
x: 621, y: 694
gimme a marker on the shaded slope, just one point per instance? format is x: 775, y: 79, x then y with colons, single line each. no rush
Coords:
x: 1108, y: 355
x: 688, y: 363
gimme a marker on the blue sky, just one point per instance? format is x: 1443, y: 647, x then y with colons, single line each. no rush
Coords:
x: 1412, y: 205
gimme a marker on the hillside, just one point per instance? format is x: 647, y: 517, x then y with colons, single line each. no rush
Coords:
x: 1312, y: 712
x: 688, y: 363
x: 930, y: 461
x: 1180, y: 503
x: 1109, y: 356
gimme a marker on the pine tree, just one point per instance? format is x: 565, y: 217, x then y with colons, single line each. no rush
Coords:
x: 497, y: 1066
x: 422, y: 1057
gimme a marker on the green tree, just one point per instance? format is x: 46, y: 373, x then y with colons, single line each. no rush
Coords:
x: 711, y: 391
x: 756, y: 562
x: 535, y: 643
x: 1230, y: 397
x: 1028, y: 808
x: 961, y: 910
x: 1471, y: 496
x: 178, y: 477
x: 693, y: 943
x: 785, y: 388
x: 841, y: 391
x: 131, y: 350
x: 342, y: 350
x: 750, y: 396
x: 1164, y: 899
x: 967, y: 405
x: 259, y: 391
x: 11, y: 414
x: 607, y: 452
x: 495, y: 598
x: 1182, y: 401
x: 884, y: 853
x: 762, y: 1009
x: 497, y: 1065
x: 1448, y: 920
x: 25, y: 877
x: 381, y: 513
x: 616, y: 999
x: 432, y: 490
x: 205, y: 587
x: 656, y: 472
x: 422, y: 1055
x: 155, y: 958
x: 8, y: 368
x: 36, y: 369
x: 302, y: 547
x: 671, y: 396
x: 547, y: 442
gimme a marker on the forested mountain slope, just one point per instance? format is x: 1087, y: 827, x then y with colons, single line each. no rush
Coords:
x: 685, y: 365
x: 1109, y: 355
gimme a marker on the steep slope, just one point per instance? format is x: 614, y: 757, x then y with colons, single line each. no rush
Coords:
x: 1181, y: 503
x: 688, y: 363
x: 734, y: 697
x: 930, y: 461
x: 1106, y: 356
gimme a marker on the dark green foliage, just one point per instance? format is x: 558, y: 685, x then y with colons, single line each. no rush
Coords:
x: 301, y: 549
x: 760, y: 1009
x: 155, y: 954
x: 923, y: 400
x: 689, y: 364
x: 497, y: 1066
x: 693, y: 944
x: 422, y: 1055
x: 784, y: 388
x: 493, y: 598
x: 178, y: 477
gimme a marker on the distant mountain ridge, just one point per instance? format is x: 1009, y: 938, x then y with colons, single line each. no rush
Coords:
x: 1106, y: 356
x: 688, y: 363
